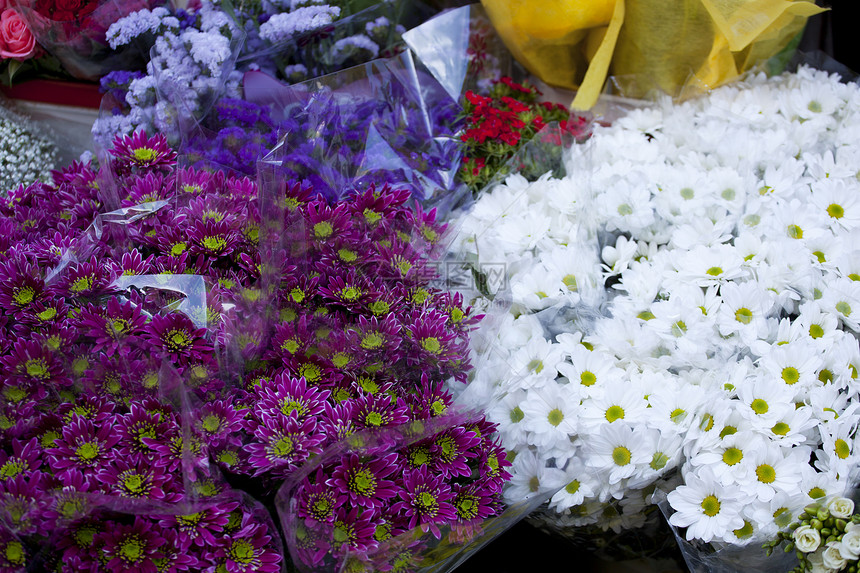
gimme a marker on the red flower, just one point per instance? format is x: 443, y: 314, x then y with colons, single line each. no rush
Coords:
x: 66, y: 10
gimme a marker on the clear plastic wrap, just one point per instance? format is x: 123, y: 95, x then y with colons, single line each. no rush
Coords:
x: 75, y: 35
x: 384, y: 122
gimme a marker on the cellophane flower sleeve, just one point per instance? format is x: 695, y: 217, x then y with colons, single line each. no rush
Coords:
x: 386, y: 122
x: 312, y: 41
x: 75, y: 34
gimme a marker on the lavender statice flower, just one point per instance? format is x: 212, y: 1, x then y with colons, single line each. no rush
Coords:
x: 358, y: 48
x: 286, y: 25
x: 210, y: 50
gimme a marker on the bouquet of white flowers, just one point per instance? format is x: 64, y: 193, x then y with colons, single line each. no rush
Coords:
x: 27, y: 151
x: 685, y: 313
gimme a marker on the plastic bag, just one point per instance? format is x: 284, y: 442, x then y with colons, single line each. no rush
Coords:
x: 384, y: 122
x: 76, y: 37
x: 649, y: 46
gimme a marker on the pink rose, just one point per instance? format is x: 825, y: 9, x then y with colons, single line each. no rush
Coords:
x: 16, y: 40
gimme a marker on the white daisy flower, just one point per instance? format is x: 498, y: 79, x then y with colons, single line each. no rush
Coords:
x: 621, y: 402
x: 530, y: 477
x: 615, y: 450
x: 579, y: 484
x: 551, y: 411
x: 842, y: 298
x: 707, y: 509
x: 774, y: 469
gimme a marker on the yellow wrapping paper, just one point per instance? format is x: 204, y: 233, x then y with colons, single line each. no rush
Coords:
x: 678, y: 47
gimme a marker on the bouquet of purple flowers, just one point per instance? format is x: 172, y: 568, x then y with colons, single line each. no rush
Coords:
x: 170, y: 336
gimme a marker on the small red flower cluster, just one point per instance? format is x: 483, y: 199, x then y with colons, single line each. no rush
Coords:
x: 498, y: 125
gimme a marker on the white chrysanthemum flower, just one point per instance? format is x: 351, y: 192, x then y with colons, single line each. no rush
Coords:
x: 795, y: 364
x: 774, y: 469
x: 729, y: 459
x: 665, y: 449
x: 580, y: 484
x: 626, y: 207
x: 620, y: 402
x: 530, y: 477
x: 779, y: 512
x: 707, y: 266
x: 536, y: 288
x: 538, y: 358
x: 842, y: 298
x: 838, y: 452
x: 673, y: 408
x: 744, y: 310
x: 551, y: 410
x: 817, y: 486
x: 838, y: 200
x: 509, y: 416
x: 794, y: 428
x: 707, y: 509
x: 592, y: 370
x: 615, y: 450
x: 766, y: 399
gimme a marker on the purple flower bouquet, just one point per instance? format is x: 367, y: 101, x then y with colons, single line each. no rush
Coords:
x: 171, y: 336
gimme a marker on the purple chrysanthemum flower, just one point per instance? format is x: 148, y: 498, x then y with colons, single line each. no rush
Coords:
x: 190, y: 181
x: 379, y: 410
x: 138, y: 151
x: 170, y: 450
x: 201, y: 528
x: 247, y: 550
x: 26, y: 457
x: 289, y: 396
x: 376, y: 336
x: 451, y: 450
x: 87, y: 279
x: 83, y: 446
x: 31, y: 364
x: 176, y: 336
x: 175, y: 559
x: 88, y: 406
x: 317, y: 500
x: 492, y: 464
x: 139, y: 426
x: 50, y: 249
x: 43, y: 314
x: 432, y: 341
x: 133, y: 263
x: 217, y: 420
x: 474, y: 501
x: 362, y: 482
x: 425, y: 500
x: 132, y: 548
x: 324, y: 222
x: 13, y: 554
x: 212, y: 238
x: 353, y: 530
x: 111, y: 325
x: 71, y: 500
x: 146, y: 188
x: 282, y: 444
x: 80, y: 542
x: 350, y: 290
x: 135, y: 477
x: 24, y: 507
